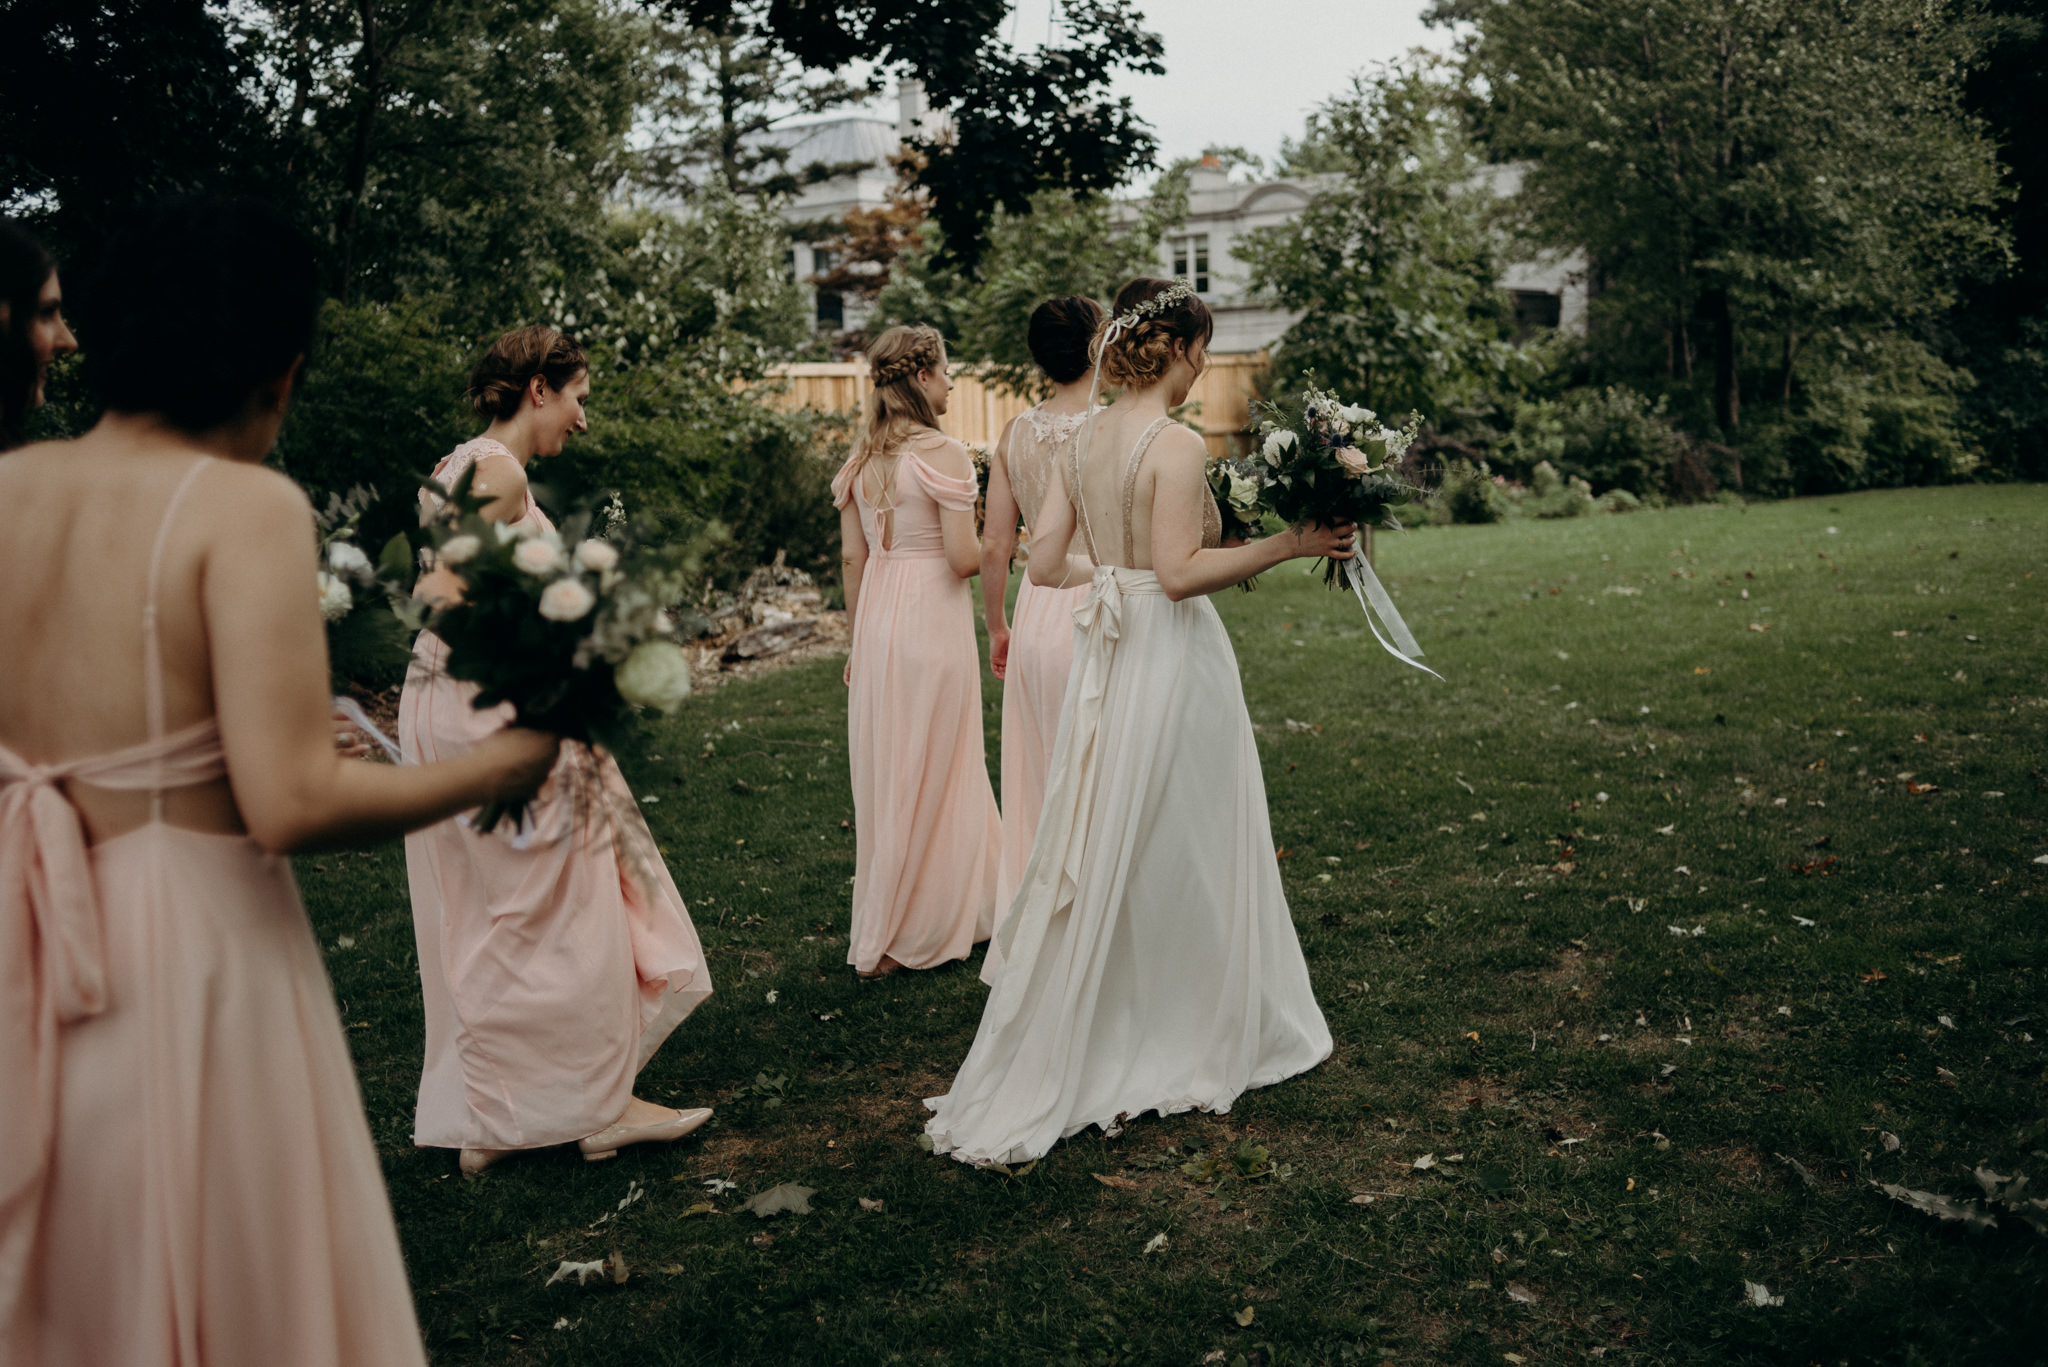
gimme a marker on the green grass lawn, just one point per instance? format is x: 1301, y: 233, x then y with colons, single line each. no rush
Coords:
x: 1718, y: 852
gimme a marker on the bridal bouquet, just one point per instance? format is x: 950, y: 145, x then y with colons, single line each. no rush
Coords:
x: 359, y: 643
x: 570, y: 627
x: 1321, y: 460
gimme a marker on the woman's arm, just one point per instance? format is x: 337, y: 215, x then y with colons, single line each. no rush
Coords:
x: 270, y: 686
x: 1052, y: 564
x: 1185, y: 568
x: 956, y: 525
x: 998, y: 548
x: 853, y: 559
x: 500, y: 479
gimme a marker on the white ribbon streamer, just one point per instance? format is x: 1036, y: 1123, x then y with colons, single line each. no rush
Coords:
x: 1366, y: 585
x: 353, y: 710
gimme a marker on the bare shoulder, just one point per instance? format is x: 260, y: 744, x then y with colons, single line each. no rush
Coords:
x: 499, y: 474
x: 238, y: 489
x: 944, y: 455
x: 1178, y: 446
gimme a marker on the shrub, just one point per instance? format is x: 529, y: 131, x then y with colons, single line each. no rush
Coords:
x: 1882, y: 413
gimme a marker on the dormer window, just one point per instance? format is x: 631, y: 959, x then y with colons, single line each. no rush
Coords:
x: 1191, y: 259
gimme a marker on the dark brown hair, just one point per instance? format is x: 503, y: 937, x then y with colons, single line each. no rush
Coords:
x: 1060, y: 332
x: 25, y: 267
x: 1138, y: 356
x: 499, y: 381
x: 200, y: 302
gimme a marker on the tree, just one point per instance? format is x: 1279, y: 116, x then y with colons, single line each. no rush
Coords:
x: 1020, y: 122
x: 1393, y: 268
x: 1747, y: 176
x: 718, y: 90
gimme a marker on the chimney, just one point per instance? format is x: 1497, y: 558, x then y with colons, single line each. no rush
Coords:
x: 910, y: 109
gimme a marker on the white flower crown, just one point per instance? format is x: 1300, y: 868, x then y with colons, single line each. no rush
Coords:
x: 1158, y: 303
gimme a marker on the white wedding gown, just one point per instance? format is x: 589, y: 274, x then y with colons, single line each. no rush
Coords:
x: 1149, y: 960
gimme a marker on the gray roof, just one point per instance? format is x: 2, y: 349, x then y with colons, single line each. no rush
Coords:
x: 833, y: 141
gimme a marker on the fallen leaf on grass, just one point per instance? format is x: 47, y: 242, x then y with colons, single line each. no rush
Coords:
x: 1110, y: 1179
x: 1945, y: 1077
x: 1918, y: 788
x: 718, y: 1186
x: 1801, y: 920
x: 1819, y: 867
x: 870, y: 1205
x: 1669, y: 1069
x: 1784, y: 1010
x: 1244, y: 1317
x: 1425, y: 1162
x: 701, y: 1208
x: 1760, y: 1295
x: 582, y: 1272
x: 1892, y: 1143
x: 617, y: 1263
x: 1875, y: 975
x: 784, y: 1196
x: 1216, y: 1355
x: 1522, y: 1294
x: 1156, y: 1244
x: 1515, y: 1358
x: 1972, y: 1214
x: 1668, y: 830
x: 1805, y: 1175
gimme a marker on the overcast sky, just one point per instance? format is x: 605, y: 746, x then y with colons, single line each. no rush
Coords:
x: 1245, y: 73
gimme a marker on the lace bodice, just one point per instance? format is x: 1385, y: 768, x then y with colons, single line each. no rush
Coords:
x: 1212, y: 518
x: 1036, y: 443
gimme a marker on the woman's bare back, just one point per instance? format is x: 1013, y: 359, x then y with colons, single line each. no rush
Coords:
x: 85, y: 518
x: 1111, y: 494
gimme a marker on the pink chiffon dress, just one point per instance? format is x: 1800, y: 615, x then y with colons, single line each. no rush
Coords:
x: 1041, y: 654
x: 927, y: 833
x: 186, y: 1177
x: 553, y: 961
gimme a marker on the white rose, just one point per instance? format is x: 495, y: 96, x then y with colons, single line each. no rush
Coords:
x: 346, y: 558
x: 1243, y: 493
x: 1353, y: 413
x: 335, y: 599
x: 1276, y: 445
x: 565, y: 600
x: 536, y: 556
x: 458, y: 549
x: 656, y: 674
x: 597, y: 555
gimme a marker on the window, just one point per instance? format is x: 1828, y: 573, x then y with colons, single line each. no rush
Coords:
x: 1535, y: 309
x: 831, y: 306
x: 1191, y: 259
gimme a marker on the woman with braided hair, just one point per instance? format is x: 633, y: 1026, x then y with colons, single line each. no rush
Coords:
x: 1149, y: 959
x: 927, y: 835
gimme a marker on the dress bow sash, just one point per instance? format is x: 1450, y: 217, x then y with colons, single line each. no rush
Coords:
x: 46, y: 881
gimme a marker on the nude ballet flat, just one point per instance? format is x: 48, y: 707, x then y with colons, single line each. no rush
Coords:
x: 474, y: 1161
x: 607, y: 1142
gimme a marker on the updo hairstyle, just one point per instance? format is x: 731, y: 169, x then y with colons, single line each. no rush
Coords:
x: 500, y: 379
x: 896, y: 407
x: 25, y: 267
x: 200, y: 302
x: 1059, y: 336
x: 1138, y: 356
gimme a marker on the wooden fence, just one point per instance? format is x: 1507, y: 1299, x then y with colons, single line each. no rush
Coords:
x: 1219, y: 401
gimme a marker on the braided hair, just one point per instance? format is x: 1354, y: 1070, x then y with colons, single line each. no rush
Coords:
x: 896, y: 408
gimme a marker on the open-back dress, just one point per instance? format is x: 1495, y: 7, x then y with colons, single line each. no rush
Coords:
x: 186, y: 1177
x: 1150, y: 962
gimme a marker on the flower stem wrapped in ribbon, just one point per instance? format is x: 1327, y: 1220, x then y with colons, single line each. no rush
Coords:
x: 572, y: 626
x: 1321, y: 460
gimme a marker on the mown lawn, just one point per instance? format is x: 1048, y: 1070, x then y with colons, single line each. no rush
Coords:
x: 1720, y: 851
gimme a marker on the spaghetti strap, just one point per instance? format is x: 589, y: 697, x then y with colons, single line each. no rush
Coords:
x: 1138, y: 450
x: 152, y: 645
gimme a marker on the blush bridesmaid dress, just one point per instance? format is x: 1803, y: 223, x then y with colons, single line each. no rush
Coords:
x: 1041, y: 654
x: 927, y: 833
x: 553, y: 962
x: 186, y: 1177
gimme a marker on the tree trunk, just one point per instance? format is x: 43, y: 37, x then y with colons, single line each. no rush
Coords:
x: 1791, y: 349
x: 729, y: 100
x: 358, y: 173
x: 1727, y: 383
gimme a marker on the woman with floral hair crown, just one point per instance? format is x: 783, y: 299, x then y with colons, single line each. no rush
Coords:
x: 555, y: 960
x: 1149, y: 960
x: 927, y: 834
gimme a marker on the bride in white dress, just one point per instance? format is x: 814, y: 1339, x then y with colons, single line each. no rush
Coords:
x: 1149, y: 960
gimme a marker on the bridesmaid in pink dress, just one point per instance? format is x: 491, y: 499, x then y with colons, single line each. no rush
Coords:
x: 927, y: 833
x: 554, y: 961
x: 186, y: 1177
x: 1032, y: 656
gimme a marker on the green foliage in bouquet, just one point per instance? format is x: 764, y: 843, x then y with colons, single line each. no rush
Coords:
x: 570, y: 626
x: 1320, y: 460
x: 363, y: 646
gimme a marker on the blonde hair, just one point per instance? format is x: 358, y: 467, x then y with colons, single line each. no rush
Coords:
x: 896, y: 408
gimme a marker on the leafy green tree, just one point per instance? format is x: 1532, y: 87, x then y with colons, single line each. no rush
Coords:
x: 1393, y: 268
x: 1021, y: 122
x: 1749, y: 177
